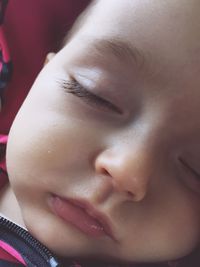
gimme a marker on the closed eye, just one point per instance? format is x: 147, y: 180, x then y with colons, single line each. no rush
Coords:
x: 73, y: 87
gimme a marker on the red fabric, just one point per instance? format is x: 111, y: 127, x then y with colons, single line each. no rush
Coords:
x: 32, y: 28
x: 3, y: 142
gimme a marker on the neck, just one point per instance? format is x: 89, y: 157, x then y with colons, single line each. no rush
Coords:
x: 9, y: 206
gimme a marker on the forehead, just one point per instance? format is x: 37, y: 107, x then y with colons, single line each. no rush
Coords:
x: 166, y: 29
x: 162, y: 34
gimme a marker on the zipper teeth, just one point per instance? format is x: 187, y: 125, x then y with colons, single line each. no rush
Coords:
x: 28, y: 238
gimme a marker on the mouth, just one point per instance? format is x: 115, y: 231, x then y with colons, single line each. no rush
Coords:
x: 83, y: 216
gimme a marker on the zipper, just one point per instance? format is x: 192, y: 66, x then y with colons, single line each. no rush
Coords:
x: 29, y: 247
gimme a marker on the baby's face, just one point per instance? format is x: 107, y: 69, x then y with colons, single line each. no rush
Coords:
x: 132, y: 151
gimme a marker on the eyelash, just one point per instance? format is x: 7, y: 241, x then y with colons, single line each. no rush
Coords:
x: 73, y: 87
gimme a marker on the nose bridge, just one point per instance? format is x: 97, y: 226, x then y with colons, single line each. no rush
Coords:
x: 131, y: 166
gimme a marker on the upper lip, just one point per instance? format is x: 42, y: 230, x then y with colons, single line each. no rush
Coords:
x: 91, y: 211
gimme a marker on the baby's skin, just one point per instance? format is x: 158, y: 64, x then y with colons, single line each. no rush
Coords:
x: 113, y: 120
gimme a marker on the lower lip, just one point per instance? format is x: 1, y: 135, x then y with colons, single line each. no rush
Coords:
x: 77, y: 217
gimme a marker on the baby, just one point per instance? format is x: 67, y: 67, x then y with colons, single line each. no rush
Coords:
x: 103, y: 156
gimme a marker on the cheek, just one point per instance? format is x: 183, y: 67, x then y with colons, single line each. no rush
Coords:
x: 45, y: 144
x: 183, y: 226
x: 168, y: 225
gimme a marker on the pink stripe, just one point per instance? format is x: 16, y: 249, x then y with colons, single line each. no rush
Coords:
x: 12, y: 252
x: 4, y: 255
x: 4, y: 46
x: 3, y: 139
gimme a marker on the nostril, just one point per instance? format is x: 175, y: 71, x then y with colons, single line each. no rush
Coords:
x: 105, y: 172
x: 130, y: 194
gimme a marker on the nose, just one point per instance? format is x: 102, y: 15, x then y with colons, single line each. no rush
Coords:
x: 130, y: 170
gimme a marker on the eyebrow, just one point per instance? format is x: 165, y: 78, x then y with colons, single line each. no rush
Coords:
x: 121, y: 50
